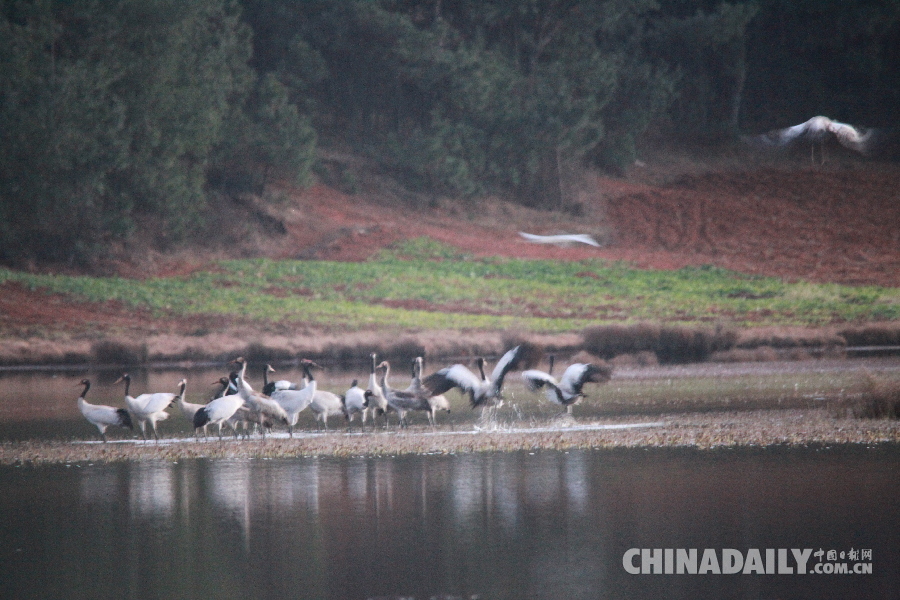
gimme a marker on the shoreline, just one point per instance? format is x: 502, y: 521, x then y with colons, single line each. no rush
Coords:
x: 755, y: 428
x: 158, y: 348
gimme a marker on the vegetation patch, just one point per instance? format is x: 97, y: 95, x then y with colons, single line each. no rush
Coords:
x: 423, y: 284
x: 879, y: 399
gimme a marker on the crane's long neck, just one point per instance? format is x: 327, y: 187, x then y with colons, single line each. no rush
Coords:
x: 87, y: 386
x: 481, y: 369
x: 241, y: 385
x: 373, y: 377
x: 232, y: 382
x: 127, y: 379
x: 312, y: 380
x: 387, y: 373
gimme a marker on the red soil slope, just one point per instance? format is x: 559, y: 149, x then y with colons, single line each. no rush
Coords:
x: 840, y: 226
x: 836, y: 224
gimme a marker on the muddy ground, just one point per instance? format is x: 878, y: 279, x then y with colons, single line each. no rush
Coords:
x: 794, y: 427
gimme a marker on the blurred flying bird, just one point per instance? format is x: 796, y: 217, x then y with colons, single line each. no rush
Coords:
x: 560, y: 240
x: 819, y: 130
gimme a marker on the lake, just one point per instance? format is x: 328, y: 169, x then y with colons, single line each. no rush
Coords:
x: 520, y: 525
x: 517, y: 525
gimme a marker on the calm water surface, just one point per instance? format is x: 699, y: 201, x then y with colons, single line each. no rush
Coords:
x: 519, y: 525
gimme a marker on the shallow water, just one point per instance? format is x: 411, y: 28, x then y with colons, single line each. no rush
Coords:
x: 41, y: 403
x: 516, y: 525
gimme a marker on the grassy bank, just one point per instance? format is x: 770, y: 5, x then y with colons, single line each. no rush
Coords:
x: 422, y: 285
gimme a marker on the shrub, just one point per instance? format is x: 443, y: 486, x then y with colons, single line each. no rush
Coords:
x: 113, y: 352
x: 670, y: 344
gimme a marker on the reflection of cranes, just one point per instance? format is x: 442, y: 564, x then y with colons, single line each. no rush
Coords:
x: 100, y: 415
x: 819, y: 129
x: 151, y: 488
x: 230, y: 487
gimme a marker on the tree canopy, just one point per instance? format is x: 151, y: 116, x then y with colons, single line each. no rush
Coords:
x: 119, y: 110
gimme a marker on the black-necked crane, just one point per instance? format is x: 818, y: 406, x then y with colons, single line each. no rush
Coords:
x: 568, y: 390
x: 325, y: 404
x: 262, y: 408
x: 482, y: 391
x: 377, y: 403
x: 295, y: 401
x: 147, y: 408
x: 818, y: 130
x: 436, y: 402
x: 354, y: 402
x: 272, y: 386
x: 100, y: 415
x: 401, y: 401
x: 188, y: 409
x: 219, y: 410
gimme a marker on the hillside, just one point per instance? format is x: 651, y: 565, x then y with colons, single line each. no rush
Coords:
x: 836, y: 223
x: 833, y: 223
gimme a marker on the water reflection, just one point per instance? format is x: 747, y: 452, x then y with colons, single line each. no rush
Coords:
x: 151, y: 490
x: 520, y: 525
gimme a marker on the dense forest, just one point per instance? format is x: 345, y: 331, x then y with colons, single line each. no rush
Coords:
x: 116, y: 112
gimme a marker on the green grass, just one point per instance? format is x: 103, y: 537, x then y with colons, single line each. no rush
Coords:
x: 424, y: 285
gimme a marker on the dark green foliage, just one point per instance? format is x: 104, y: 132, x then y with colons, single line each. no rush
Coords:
x: 112, y: 110
x: 266, y: 136
x: 469, y: 97
x: 831, y: 57
x: 709, y: 50
x: 133, y: 111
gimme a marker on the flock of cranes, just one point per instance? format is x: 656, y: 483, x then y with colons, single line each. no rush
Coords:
x: 242, y: 409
